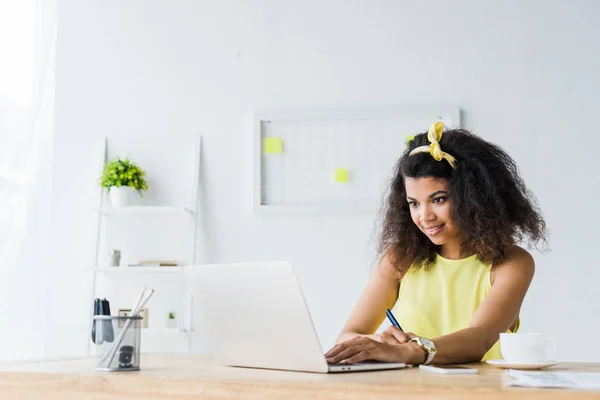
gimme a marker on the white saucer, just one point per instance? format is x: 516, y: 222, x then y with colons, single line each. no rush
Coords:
x: 521, y: 365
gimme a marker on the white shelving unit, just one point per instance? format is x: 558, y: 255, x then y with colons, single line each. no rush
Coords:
x: 143, y: 210
x: 105, y: 213
x: 137, y: 270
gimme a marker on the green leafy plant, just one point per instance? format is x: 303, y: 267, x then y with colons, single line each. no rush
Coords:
x: 171, y: 315
x: 118, y: 172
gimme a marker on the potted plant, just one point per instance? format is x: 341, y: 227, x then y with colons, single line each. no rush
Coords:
x: 122, y: 178
x: 171, y: 321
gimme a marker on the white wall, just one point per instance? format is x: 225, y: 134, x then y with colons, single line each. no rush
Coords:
x: 525, y: 74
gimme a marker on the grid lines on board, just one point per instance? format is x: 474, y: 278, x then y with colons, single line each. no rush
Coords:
x: 328, y: 163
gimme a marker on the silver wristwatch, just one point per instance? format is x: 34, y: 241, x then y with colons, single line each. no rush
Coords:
x: 426, y: 345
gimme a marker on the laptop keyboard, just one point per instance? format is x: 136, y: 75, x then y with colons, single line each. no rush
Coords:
x: 360, y: 363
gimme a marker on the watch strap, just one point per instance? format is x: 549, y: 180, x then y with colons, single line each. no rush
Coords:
x: 429, y: 358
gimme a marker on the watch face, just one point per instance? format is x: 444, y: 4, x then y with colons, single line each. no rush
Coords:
x: 427, y: 343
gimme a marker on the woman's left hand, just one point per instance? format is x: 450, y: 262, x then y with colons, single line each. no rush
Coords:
x: 363, y: 348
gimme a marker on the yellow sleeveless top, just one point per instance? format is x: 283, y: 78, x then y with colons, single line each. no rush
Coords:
x: 444, y: 298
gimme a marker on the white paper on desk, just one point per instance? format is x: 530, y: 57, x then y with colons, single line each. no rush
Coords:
x: 546, y: 379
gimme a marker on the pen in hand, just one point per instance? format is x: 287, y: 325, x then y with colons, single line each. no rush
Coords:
x: 393, y: 319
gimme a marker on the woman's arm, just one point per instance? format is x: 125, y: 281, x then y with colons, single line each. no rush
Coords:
x: 496, y: 314
x: 380, y: 294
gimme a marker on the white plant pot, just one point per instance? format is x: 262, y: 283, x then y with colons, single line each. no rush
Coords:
x: 171, y: 323
x: 123, y: 196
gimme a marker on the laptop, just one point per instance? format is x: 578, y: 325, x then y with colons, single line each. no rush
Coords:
x: 256, y: 317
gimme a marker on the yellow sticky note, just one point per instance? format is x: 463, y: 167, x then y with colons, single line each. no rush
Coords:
x: 272, y: 145
x: 341, y: 175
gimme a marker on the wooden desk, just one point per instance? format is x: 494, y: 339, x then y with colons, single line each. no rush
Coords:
x: 197, y: 377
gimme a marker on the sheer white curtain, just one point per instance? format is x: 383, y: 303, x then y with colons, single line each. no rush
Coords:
x: 27, y: 76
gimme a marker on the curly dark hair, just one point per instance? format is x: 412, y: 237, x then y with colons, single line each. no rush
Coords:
x: 491, y: 205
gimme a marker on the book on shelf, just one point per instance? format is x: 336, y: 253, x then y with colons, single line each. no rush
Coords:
x: 156, y: 263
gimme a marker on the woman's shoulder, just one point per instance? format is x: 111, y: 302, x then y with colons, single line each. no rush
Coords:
x: 391, y: 266
x: 518, y: 256
x: 519, y: 262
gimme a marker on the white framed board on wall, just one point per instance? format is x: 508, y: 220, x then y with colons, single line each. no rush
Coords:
x: 333, y: 162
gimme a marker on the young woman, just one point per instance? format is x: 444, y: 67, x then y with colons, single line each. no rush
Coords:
x: 450, y: 263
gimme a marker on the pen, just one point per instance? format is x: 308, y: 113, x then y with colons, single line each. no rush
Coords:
x: 393, y: 319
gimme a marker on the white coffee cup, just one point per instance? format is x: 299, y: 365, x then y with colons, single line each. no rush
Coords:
x: 526, y: 347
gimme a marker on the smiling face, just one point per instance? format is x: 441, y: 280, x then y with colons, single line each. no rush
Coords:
x: 430, y: 208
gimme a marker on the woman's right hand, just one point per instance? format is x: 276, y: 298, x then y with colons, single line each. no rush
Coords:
x: 393, y: 335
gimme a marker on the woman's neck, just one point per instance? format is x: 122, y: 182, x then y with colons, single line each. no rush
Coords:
x: 454, y: 251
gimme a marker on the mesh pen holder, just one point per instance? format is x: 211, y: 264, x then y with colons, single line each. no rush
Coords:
x: 117, y: 343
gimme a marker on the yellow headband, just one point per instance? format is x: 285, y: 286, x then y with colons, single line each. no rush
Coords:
x: 435, y: 135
